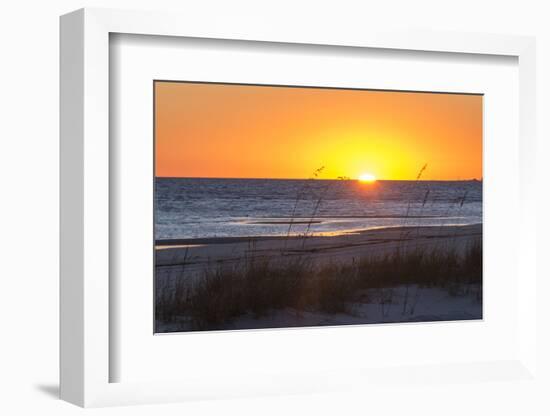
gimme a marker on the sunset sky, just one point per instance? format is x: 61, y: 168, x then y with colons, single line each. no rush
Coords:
x: 241, y: 131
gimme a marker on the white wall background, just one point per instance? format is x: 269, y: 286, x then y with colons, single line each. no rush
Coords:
x: 29, y: 204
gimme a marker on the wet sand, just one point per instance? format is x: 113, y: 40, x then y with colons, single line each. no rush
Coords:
x: 193, y: 255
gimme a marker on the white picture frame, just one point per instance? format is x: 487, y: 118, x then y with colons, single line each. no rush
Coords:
x: 86, y: 355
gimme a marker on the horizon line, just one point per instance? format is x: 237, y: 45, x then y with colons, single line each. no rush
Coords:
x: 320, y: 179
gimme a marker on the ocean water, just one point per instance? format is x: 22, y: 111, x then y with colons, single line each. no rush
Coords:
x: 201, y: 207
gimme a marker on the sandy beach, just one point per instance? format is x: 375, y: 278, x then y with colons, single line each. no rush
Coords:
x: 193, y: 255
x: 184, y: 263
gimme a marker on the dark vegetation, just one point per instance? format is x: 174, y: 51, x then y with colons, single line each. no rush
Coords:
x: 258, y: 286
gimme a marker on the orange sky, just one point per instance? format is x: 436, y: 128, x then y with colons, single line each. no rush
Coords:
x: 221, y: 130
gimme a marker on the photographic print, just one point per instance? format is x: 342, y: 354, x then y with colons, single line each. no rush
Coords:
x: 289, y: 206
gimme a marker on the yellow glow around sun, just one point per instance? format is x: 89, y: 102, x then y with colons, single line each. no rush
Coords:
x: 367, y: 177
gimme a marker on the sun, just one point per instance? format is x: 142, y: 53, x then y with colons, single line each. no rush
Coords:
x: 367, y: 177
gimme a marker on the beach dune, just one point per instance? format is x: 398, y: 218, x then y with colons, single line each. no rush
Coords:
x: 187, y: 261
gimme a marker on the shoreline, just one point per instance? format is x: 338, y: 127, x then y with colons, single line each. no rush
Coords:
x: 193, y: 256
x: 168, y: 242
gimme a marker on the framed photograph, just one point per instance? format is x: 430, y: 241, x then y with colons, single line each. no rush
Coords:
x: 289, y: 206
x: 269, y: 211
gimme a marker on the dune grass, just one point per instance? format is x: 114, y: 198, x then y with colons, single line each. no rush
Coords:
x: 259, y: 286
